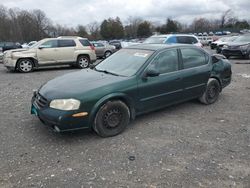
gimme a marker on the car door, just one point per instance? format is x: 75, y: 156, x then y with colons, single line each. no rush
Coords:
x: 196, y: 71
x: 66, y: 50
x: 47, y: 52
x: 164, y: 89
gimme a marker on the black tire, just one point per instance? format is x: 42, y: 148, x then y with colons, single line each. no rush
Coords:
x: 107, y: 54
x: 111, y: 119
x: 25, y: 65
x: 212, y: 92
x: 247, y: 56
x: 83, y: 62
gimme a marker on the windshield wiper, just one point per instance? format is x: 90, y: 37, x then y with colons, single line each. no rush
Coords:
x: 106, y: 72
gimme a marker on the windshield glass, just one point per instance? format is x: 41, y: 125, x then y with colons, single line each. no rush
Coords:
x: 125, y: 62
x: 155, y: 40
x: 245, y: 38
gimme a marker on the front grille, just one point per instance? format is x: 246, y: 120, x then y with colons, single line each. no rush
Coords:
x: 40, y: 101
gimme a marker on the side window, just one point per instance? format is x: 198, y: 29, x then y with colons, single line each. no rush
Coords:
x: 171, y: 39
x: 182, y: 39
x: 166, y: 61
x: 50, y: 44
x: 194, y: 40
x: 85, y: 42
x: 66, y: 43
x: 193, y: 58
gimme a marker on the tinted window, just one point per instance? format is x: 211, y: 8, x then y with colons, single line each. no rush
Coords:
x: 171, y: 40
x: 9, y: 44
x: 166, y: 61
x: 50, y: 44
x: 85, y: 42
x: 98, y: 44
x: 186, y: 40
x: 66, y: 43
x: 193, y: 58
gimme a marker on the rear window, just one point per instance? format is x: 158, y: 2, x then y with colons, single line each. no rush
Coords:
x: 85, y: 42
x: 155, y: 40
x: 66, y: 43
x: 186, y: 40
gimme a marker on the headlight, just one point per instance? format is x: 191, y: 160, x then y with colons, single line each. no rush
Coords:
x: 244, y: 47
x: 225, y: 46
x: 65, y: 104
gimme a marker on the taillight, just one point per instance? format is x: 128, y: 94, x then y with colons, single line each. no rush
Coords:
x: 92, y: 47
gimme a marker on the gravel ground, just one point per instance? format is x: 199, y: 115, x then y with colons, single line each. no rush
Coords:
x: 187, y: 145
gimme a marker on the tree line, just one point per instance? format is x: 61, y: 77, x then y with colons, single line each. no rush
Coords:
x: 24, y: 26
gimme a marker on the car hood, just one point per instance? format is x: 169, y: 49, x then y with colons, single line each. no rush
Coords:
x: 17, y: 50
x: 75, y: 84
x: 237, y: 43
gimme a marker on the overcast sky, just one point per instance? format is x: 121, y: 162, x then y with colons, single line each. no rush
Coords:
x: 74, y: 12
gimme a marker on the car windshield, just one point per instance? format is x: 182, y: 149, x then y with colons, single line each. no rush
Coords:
x: 243, y: 39
x: 155, y: 40
x: 125, y: 62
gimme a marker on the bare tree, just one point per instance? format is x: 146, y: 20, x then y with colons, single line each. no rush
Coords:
x: 225, y: 17
x: 94, y: 30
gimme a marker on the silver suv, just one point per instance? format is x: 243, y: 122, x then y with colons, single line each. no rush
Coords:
x: 74, y: 51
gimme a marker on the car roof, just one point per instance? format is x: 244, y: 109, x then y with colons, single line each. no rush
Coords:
x: 167, y: 35
x: 155, y: 47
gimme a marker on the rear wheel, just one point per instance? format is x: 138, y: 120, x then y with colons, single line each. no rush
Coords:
x: 107, y: 54
x: 83, y: 62
x: 212, y: 92
x: 25, y: 65
x: 111, y: 119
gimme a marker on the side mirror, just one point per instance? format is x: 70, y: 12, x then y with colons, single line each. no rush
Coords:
x: 151, y: 72
x: 41, y: 47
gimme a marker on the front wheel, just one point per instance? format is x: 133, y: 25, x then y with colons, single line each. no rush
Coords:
x: 111, y: 119
x: 25, y: 65
x: 83, y: 62
x: 212, y: 92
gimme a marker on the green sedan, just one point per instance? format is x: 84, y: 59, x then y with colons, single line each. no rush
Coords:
x: 135, y: 80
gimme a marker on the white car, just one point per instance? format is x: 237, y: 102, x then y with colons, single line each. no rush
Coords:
x: 173, y: 38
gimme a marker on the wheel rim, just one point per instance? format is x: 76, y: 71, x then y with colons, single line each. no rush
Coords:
x: 83, y: 62
x: 112, y: 118
x: 107, y: 54
x: 25, y: 65
x: 212, y: 93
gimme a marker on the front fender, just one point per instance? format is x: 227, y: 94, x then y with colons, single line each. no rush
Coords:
x: 121, y: 96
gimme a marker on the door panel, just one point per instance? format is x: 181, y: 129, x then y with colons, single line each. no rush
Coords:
x: 164, y: 89
x: 196, y: 72
x: 48, y: 52
x: 156, y: 92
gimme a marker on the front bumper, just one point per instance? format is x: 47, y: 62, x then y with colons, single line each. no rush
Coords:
x: 236, y: 52
x: 58, y: 120
x: 9, y: 63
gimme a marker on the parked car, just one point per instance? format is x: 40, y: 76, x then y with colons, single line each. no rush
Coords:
x: 74, y: 51
x: 219, y: 41
x: 116, y: 43
x: 28, y: 45
x: 173, y: 38
x: 103, y: 50
x: 205, y: 40
x: 220, y: 44
x: 239, y: 47
x: 9, y: 45
x: 134, y: 80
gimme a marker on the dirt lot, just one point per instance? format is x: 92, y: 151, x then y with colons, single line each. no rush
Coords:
x: 187, y: 145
